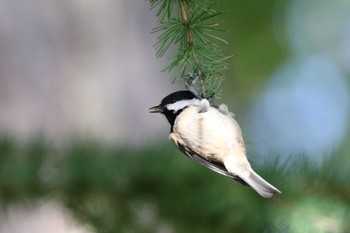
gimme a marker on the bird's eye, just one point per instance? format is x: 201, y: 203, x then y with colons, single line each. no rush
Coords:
x: 172, y: 101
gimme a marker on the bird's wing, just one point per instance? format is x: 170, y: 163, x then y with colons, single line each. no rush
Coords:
x: 214, y: 166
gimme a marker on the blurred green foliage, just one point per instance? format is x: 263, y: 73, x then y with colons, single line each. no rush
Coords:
x: 257, y: 40
x: 142, y: 190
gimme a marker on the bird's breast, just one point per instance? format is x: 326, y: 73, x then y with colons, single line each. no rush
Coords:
x: 210, y: 133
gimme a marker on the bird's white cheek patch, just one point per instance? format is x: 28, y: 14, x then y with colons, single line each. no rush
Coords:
x: 182, y: 104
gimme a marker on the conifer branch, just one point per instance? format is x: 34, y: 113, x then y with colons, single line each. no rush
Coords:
x: 188, y: 25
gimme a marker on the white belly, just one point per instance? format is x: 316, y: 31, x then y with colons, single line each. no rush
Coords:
x: 212, y: 134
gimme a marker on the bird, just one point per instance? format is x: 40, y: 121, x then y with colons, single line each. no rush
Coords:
x: 210, y: 136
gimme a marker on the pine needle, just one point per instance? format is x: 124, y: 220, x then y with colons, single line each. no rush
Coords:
x: 189, y: 25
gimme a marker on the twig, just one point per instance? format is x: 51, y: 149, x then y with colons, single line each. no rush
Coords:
x: 183, y: 11
x: 186, y: 23
x: 193, y: 31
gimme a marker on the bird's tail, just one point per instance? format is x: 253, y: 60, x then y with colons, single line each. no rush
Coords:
x: 260, y: 185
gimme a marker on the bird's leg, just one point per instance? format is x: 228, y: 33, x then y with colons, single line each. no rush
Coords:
x: 203, y: 106
x: 224, y: 110
x: 190, y: 82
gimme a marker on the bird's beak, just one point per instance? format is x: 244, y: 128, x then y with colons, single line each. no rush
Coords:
x: 156, y: 109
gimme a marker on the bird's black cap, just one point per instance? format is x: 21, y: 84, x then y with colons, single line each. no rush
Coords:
x: 169, y: 99
x: 177, y: 96
x: 172, y: 98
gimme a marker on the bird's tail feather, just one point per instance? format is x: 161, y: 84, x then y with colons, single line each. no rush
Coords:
x: 260, y: 185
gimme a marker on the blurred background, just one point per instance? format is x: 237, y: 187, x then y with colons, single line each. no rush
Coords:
x: 80, y: 153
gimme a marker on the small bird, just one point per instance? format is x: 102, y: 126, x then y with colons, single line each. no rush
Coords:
x: 210, y: 136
